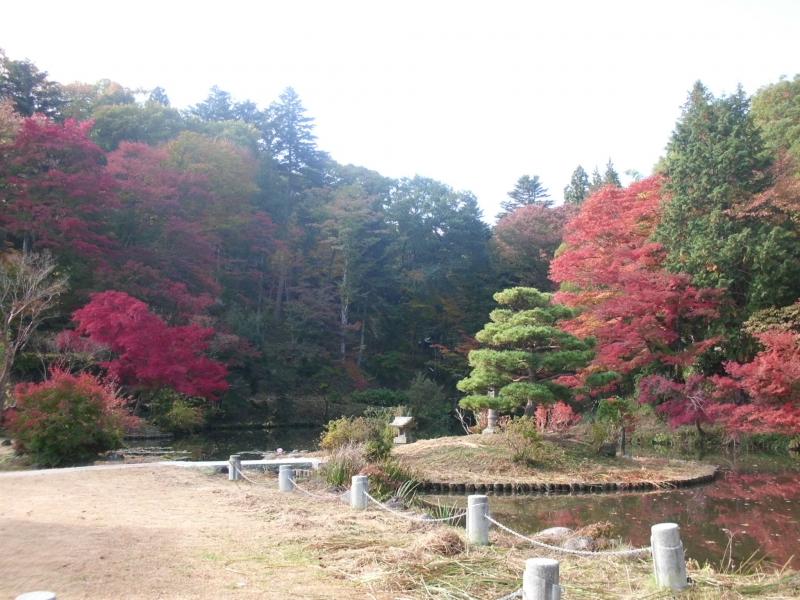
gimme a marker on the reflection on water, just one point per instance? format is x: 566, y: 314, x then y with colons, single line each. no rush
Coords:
x: 756, y: 500
x: 219, y: 445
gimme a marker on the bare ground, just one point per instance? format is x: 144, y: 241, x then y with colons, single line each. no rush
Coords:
x: 158, y: 533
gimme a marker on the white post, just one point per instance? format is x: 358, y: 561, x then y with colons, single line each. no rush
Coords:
x: 477, y: 525
x: 234, y: 466
x: 285, y: 476
x: 37, y: 596
x: 358, y: 492
x: 669, y: 563
x: 540, y: 580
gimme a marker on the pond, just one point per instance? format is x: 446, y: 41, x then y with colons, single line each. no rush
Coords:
x: 752, y: 509
x: 219, y: 445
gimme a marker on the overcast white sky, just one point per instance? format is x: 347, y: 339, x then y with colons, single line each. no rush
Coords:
x: 474, y: 94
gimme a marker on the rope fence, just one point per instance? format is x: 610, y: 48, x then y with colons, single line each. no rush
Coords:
x: 633, y: 552
x: 541, y: 575
x: 422, y: 519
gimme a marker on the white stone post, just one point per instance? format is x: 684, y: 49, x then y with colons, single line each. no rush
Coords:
x: 540, y: 580
x: 285, y: 476
x: 234, y: 466
x: 37, y: 596
x: 669, y: 562
x: 358, y: 492
x: 477, y: 524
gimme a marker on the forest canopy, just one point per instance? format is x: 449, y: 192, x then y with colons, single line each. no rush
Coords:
x: 252, y: 263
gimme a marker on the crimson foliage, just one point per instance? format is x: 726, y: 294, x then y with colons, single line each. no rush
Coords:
x: 639, y: 313
x: 150, y: 354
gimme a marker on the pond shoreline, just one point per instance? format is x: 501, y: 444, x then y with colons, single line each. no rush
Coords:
x: 518, y: 488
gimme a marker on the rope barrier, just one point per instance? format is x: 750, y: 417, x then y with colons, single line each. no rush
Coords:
x: 634, y: 552
x: 425, y: 519
x: 294, y: 484
x: 311, y: 494
x: 246, y: 478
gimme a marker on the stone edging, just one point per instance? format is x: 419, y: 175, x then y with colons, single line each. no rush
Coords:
x: 564, y: 488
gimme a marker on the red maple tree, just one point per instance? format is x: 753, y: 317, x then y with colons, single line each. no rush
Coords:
x: 150, y: 354
x: 638, y: 312
x: 763, y: 395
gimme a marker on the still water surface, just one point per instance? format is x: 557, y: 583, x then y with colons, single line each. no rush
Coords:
x: 755, y: 502
x: 219, y: 445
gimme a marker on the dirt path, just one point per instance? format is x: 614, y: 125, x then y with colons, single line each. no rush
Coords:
x: 162, y: 533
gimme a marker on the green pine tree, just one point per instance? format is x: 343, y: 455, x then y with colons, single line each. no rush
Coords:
x: 528, y: 190
x: 524, y: 351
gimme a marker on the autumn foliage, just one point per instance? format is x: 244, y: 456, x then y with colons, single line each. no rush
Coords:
x: 67, y: 418
x: 148, y: 353
x: 612, y: 271
x: 770, y: 383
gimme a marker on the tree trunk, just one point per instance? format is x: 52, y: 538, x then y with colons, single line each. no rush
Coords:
x: 343, y: 315
x: 6, y: 361
x: 361, y: 345
x: 279, y: 295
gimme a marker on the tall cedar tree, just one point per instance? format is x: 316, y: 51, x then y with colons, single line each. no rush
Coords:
x: 715, y: 165
x: 611, y: 177
x: 526, y: 352
x: 578, y: 188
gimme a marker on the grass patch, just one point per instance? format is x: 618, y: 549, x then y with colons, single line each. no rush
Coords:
x: 487, y: 459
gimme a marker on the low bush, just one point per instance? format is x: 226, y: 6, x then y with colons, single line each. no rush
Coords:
x: 371, y: 430
x: 524, y: 440
x: 387, y: 476
x: 67, y: 419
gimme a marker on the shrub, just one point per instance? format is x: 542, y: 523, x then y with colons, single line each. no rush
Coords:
x: 67, y: 419
x: 431, y: 406
x: 387, y: 477
x: 522, y: 437
x: 372, y: 430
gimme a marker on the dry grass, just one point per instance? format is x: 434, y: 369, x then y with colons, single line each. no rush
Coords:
x: 486, y: 459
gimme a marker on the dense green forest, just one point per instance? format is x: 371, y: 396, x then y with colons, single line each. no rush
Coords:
x: 215, y: 252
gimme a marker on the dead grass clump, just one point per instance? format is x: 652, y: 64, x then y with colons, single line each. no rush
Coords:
x: 601, y: 534
x: 442, y: 541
